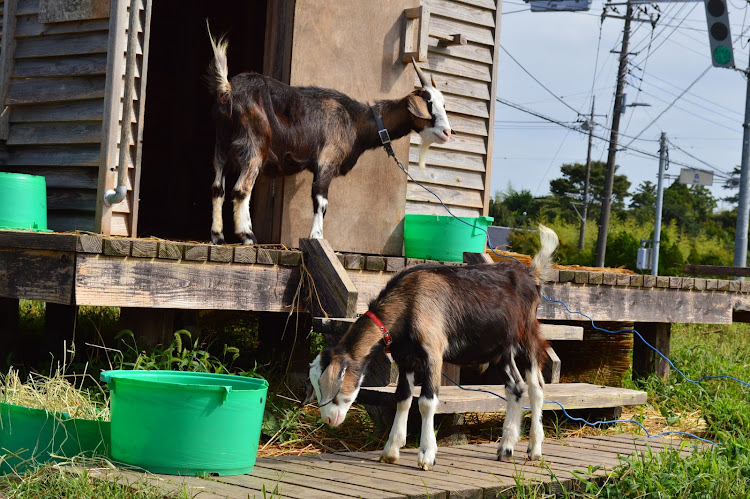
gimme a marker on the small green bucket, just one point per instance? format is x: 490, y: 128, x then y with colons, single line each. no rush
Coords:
x: 443, y: 237
x: 186, y: 423
x: 34, y: 436
x: 23, y: 201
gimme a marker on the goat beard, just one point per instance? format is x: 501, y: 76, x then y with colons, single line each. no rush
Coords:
x: 426, y: 143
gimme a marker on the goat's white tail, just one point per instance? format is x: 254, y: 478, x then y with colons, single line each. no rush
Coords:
x: 542, y: 261
x: 219, y: 70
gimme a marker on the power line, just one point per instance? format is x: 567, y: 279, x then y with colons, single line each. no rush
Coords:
x: 726, y: 174
x: 539, y: 82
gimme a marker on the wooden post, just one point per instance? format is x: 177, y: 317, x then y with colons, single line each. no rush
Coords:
x: 334, y: 290
x: 59, y: 325
x: 151, y: 326
x: 645, y: 360
x: 9, y: 320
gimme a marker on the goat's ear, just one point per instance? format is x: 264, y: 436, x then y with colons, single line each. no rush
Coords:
x: 418, y: 106
x: 309, y: 393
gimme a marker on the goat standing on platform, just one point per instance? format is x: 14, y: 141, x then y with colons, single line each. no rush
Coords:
x: 265, y: 126
x: 426, y: 314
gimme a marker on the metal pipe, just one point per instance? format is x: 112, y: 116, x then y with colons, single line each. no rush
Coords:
x: 743, y: 206
x: 114, y: 196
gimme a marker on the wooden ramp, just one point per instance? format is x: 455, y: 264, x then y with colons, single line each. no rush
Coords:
x: 454, y: 400
x: 466, y: 471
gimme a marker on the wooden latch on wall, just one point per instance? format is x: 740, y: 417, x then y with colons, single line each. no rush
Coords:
x: 416, y: 29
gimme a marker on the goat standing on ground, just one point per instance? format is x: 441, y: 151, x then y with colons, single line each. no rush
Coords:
x: 426, y: 314
x: 265, y: 126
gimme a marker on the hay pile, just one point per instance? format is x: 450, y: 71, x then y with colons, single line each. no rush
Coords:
x: 55, y: 394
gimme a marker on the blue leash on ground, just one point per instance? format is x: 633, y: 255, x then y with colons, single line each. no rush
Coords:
x: 565, y: 412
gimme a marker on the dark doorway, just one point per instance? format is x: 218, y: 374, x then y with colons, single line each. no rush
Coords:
x: 178, y: 134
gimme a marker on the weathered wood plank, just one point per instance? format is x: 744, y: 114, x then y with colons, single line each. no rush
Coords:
x: 462, y: 12
x: 448, y: 177
x: 444, y: 27
x: 334, y: 288
x: 62, y: 45
x: 72, y: 155
x: 451, y: 159
x: 57, y: 11
x: 70, y: 220
x: 111, y: 281
x: 424, y: 208
x: 29, y: 25
x: 55, y: 133
x: 144, y: 248
x: 627, y: 304
x: 59, y: 177
x: 32, y: 91
x: 85, y: 110
x: 570, y: 395
x: 458, y: 142
x: 71, y: 199
x: 37, y: 275
x: 37, y: 240
x: 451, y: 196
x: 61, y: 66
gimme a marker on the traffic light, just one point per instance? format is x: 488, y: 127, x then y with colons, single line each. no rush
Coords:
x: 719, y: 35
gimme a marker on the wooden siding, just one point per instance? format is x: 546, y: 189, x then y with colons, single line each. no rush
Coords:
x: 55, y: 101
x: 122, y: 218
x: 458, y: 171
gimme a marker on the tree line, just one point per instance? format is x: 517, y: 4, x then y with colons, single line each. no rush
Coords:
x: 694, y: 230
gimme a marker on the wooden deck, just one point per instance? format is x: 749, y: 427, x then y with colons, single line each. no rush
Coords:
x: 85, y: 269
x: 466, y: 471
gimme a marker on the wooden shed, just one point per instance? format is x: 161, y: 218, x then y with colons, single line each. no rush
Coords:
x: 67, y: 79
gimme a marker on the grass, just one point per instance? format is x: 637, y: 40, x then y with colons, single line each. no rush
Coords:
x: 718, y: 410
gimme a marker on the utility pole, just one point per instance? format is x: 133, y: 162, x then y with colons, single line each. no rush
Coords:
x: 743, y: 206
x: 663, y: 151
x: 585, y: 210
x: 601, y: 243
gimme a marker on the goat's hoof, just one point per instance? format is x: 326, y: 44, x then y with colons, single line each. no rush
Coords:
x: 505, y: 455
x: 217, y: 238
x: 248, y: 239
x: 426, y: 459
x: 533, y: 455
x: 388, y: 458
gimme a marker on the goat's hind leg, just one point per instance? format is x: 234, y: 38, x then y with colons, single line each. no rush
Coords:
x: 241, y: 193
x: 535, y: 383
x: 397, y: 437
x: 428, y: 403
x: 217, y: 193
x: 512, y: 425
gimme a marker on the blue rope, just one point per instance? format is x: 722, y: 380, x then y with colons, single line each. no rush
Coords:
x: 581, y: 420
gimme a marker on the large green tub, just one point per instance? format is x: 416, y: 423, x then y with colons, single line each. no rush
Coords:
x: 23, y: 201
x: 186, y: 423
x: 34, y: 436
x: 443, y: 237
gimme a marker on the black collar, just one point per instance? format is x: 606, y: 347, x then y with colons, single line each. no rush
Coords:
x: 385, y: 139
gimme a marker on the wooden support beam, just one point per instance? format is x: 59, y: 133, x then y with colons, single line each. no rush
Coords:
x: 645, y: 360
x: 334, y: 291
x: 551, y: 368
x: 9, y: 320
x: 37, y: 275
x: 717, y: 270
x: 59, y: 326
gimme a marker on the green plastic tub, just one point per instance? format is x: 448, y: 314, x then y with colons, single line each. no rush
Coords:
x: 186, y: 423
x: 23, y: 201
x: 442, y: 237
x: 33, y: 436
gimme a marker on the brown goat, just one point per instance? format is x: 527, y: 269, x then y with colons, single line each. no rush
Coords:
x: 467, y: 315
x: 265, y: 126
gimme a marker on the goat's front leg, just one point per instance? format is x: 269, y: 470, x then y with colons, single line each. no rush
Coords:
x: 327, y: 166
x: 243, y: 226
x: 428, y: 402
x: 397, y: 438
x: 217, y: 195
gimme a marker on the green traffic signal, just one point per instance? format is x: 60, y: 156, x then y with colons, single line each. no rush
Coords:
x: 722, y: 54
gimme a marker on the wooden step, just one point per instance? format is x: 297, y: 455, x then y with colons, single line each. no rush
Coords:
x: 335, y: 327
x: 454, y: 400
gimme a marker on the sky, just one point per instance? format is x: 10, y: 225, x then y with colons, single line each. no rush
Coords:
x: 564, y: 51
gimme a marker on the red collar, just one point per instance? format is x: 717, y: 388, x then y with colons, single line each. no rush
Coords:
x: 386, y: 335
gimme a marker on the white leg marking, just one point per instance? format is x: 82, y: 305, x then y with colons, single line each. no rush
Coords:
x: 536, y: 398
x: 511, y: 426
x: 317, y: 226
x: 242, y: 222
x: 427, y: 441
x: 397, y: 437
x: 217, y: 223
